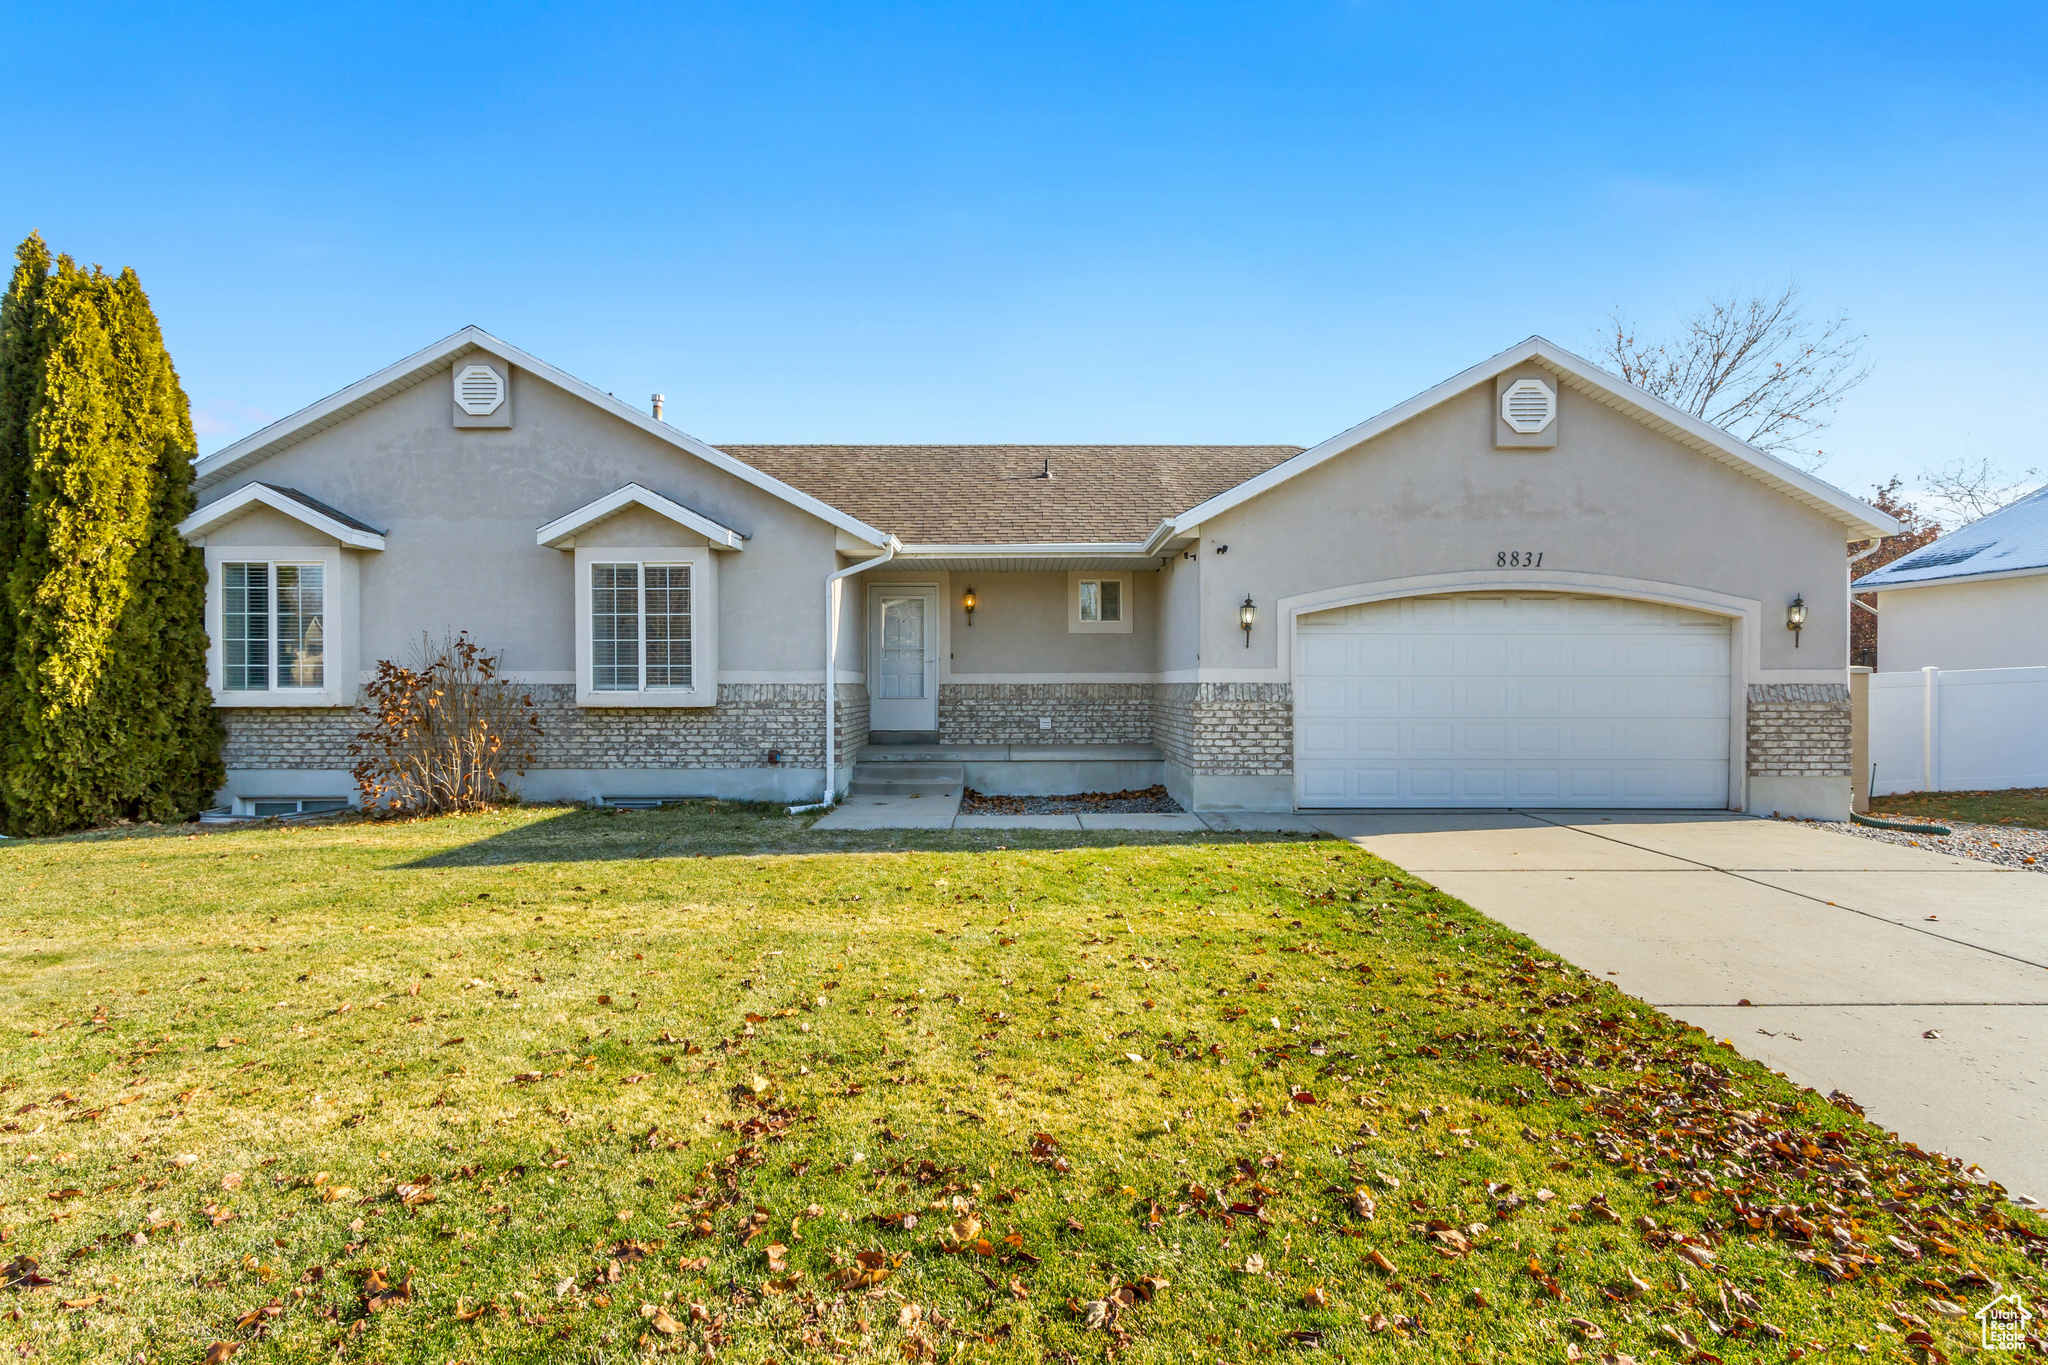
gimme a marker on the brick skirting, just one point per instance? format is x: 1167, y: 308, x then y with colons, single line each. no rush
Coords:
x: 749, y: 720
x: 1798, y: 730
x: 1226, y: 729
x: 1081, y: 713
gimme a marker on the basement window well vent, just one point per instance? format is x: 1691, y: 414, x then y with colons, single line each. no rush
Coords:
x: 1528, y: 406
x: 479, y: 390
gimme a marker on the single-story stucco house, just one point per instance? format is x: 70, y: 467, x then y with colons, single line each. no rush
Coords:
x: 1976, y: 598
x: 1532, y: 585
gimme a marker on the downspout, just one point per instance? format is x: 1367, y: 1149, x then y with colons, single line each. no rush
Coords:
x: 1875, y: 546
x: 889, y: 549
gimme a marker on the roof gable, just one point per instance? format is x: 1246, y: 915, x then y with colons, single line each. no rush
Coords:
x: 300, y: 507
x: 437, y: 359
x: 561, y: 533
x: 2011, y: 541
x: 1859, y: 519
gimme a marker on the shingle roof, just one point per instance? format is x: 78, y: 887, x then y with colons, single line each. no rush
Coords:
x: 1001, y: 495
x: 2012, y: 539
x: 307, y: 500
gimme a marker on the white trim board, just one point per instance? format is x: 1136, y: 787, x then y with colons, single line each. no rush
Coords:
x: 1862, y: 521
x: 561, y: 533
x: 425, y: 364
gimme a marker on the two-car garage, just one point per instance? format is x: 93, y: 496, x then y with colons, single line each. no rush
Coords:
x: 1512, y: 699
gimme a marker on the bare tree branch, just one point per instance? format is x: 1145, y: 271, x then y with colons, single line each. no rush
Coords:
x: 1961, y: 492
x: 1755, y: 367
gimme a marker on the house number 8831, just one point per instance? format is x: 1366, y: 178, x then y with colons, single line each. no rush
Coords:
x: 1518, y: 559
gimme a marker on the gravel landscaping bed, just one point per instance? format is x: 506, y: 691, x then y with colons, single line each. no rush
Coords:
x: 2005, y: 845
x: 1147, y: 801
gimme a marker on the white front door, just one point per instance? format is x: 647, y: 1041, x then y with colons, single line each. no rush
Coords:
x: 903, y: 657
x: 1511, y: 699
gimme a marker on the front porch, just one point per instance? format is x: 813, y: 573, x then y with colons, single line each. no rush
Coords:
x: 919, y: 785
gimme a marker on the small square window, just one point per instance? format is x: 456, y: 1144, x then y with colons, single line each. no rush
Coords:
x: 1099, y: 603
x: 1102, y: 599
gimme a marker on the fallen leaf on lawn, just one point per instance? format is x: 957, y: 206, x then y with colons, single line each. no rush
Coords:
x: 1387, y: 1180
x: 1315, y: 1298
x: 1947, y: 1309
x: 1254, y: 1264
x: 1134, y: 1057
x: 183, y: 1160
x: 910, y: 1315
x: 220, y: 1351
x: 463, y: 1314
x: 658, y: 1318
x: 691, y: 1264
x: 1097, y: 1315
x: 1589, y: 1331
x: 1380, y: 1262
x: 776, y: 1288
x: 1362, y: 1205
x: 88, y: 1301
x: 231, y: 1181
x: 1017, y: 1289
x: 415, y: 1192
x: 378, y: 1295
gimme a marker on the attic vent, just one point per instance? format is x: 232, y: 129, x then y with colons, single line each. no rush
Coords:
x: 1528, y: 406
x: 479, y: 390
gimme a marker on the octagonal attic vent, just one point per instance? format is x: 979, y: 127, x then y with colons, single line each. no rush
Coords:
x: 1528, y: 406
x: 479, y: 390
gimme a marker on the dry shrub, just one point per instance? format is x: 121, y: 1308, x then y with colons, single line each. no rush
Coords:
x: 445, y: 731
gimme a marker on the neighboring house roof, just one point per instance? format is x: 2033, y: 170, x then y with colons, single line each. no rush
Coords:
x: 1013, y: 495
x: 437, y: 359
x: 288, y: 501
x: 1860, y: 519
x: 2010, y: 542
x: 561, y: 533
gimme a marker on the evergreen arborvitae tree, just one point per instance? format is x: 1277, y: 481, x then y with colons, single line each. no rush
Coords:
x: 105, y: 712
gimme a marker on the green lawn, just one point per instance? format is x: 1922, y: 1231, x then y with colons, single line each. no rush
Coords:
x: 2026, y: 806
x: 573, y: 1086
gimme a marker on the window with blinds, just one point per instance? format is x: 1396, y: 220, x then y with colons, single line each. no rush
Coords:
x: 273, y: 626
x: 639, y: 627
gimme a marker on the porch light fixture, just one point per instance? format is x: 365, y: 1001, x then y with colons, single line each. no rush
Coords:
x: 1795, y: 618
x: 1247, y: 614
x: 967, y: 600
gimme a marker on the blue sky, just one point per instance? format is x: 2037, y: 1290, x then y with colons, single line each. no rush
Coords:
x: 1049, y: 222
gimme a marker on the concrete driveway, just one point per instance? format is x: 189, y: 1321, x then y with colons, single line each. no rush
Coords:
x: 1848, y: 950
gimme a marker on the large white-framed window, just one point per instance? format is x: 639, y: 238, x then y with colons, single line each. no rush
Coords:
x: 273, y: 626
x: 280, y: 623
x: 1098, y: 603
x: 646, y: 626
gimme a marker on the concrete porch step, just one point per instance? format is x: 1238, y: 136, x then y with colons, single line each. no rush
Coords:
x: 908, y: 780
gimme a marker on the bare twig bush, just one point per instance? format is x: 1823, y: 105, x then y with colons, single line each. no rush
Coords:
x: 444, y: 733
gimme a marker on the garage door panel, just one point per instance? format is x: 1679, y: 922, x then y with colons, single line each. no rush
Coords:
x: 1513, y: 699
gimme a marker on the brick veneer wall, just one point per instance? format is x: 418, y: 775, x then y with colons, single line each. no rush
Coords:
x: 1082, y: 713
x: 1798, y: 730
x: 749, y: 720
x: 1226, y: 729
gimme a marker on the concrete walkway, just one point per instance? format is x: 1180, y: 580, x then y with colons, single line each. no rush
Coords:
x: 1849, y: 951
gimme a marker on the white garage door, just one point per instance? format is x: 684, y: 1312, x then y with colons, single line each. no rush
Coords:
x: 1511, y: 699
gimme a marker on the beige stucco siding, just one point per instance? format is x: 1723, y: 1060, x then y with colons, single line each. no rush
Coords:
x: 1999, y: 623
x: 459, y: 509
x: 1433, y: 496
x: 1020, y: 627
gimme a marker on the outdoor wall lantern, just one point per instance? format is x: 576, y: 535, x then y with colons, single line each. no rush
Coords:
x: 967, y: 600
x: 1795, y: 618
x: 1247, y: 614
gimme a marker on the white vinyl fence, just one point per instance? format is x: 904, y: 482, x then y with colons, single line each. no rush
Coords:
x: 1965, y: 729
